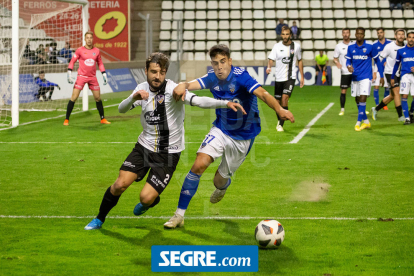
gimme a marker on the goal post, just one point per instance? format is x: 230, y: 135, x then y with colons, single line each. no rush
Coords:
x: 26, y: 26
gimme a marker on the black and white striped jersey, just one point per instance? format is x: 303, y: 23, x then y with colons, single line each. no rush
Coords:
x: 285, y: 67
x: 162, y: 118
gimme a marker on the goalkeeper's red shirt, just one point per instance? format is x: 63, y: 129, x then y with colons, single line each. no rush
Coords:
x: 88, y: 58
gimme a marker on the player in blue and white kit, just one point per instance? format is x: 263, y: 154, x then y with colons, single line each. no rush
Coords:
x: 232, y: 135
x: 405, y: 56
x: 359, y: 63
x: 378, y: 48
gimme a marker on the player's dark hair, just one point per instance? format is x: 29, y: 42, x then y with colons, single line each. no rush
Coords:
x: 399, y: 30
x: 41, y: 72
x: 158, y: 58
x: 380, y: 29
x: 346, y: 29
x: 360, y: 29
x: 88, y: 32
x: 286, y: 28
x: 219, y: 49
x: 409, y: 33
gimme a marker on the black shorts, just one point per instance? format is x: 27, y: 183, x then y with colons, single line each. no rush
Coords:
x: 346, y: 81
x: 396, y: 81
x: 317, y: 67
x: 162, y: 166
x: 284, y: 87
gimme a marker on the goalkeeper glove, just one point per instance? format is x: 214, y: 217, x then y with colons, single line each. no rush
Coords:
x: 104, y: 78
x: 58, y: 87
x: 70, y: 80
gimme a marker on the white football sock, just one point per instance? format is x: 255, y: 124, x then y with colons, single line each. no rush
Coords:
x: 181, y: 212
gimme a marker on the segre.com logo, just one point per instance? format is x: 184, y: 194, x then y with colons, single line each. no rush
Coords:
x: 204, y: 258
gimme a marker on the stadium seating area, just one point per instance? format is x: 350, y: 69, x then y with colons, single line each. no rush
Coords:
x: 248, y: 27
x: 36, y: 37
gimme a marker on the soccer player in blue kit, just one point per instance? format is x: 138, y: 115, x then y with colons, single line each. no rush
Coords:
x: 232, y: 135
x: 358, y: 62
x: 405, y: 57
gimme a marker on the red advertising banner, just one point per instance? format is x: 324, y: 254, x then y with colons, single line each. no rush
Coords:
x: 109, y: 21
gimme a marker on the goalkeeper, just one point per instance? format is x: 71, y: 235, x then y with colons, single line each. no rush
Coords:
x: 88, y: 57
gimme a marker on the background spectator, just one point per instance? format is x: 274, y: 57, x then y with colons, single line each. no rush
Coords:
x: 53, y: 53
x: 408, y: 5
x: 295, y: 30
x: 45, y: 86
x: 29, y: 55
x: 395, y: 4
x: 41, y: 55
x: 279, y: 29
x: 66, y: 53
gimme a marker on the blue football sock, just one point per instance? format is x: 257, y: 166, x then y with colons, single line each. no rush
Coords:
x: 188, y: 190
x: 364, y: 116
x: 412, y: 106
x: 404, y: 105
x: 386, y: 92
x: 361, y: 111
x: 376, y: 96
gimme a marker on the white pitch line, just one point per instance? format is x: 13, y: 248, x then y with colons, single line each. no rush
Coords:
x: 56, y: 117
x: 198, y: 218
x: 308, y: 126
x: 77, y: 142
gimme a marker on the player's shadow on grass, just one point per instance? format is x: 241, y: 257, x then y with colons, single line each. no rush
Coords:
x: 386, y: 134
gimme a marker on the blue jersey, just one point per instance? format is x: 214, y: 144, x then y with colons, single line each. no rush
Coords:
x: 44, y: 82
x: 360, y: 59
x: 405, y: 56
x: 237, y: 87
x: 379, y: 47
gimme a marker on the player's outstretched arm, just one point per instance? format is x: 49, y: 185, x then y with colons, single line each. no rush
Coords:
x: 211, y: 103
x: 273, y: 104
x: 133, y: 99
x: 180, y: 89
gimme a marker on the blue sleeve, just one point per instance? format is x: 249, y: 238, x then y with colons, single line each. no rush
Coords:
x: 396, y: 65
x: 278, y: 29
x: 41, y: 83
x: 206, y: 81
x: 348, y: 57
x: 249, y: 83
x: 51, y: 83
x: 380, y: 65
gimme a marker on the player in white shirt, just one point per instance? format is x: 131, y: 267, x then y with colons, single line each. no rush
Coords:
x: 339, y: 59
x: 160, y: 144
x: 285, y: 54
x: 390, y: 53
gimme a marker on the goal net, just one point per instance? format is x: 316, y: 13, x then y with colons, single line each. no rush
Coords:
x: 49, y: 33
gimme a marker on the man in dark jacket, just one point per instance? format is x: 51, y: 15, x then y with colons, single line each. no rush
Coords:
x: 45, y: 86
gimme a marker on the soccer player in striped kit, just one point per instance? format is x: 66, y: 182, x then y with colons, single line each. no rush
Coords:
x: 285, y: 54
x: 88, y: 57
x: 161, y: 141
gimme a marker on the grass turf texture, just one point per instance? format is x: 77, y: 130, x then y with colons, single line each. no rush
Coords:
x: 367, y: 174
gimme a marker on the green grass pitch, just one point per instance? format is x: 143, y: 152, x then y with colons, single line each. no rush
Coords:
x: 332, y: 172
